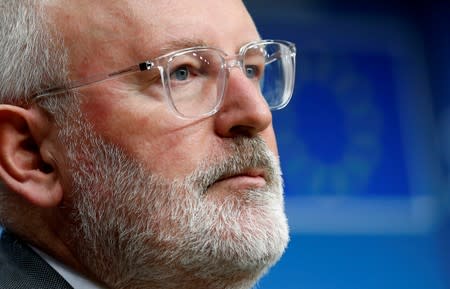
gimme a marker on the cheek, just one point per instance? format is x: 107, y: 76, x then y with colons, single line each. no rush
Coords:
x: 153, y: 136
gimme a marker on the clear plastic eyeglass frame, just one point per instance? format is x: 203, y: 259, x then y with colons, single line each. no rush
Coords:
x: 276, y: 87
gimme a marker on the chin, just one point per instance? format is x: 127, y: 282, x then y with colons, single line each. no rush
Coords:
x: 239, y: 237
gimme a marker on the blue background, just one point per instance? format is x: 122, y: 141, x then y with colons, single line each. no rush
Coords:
x: 365, y: 143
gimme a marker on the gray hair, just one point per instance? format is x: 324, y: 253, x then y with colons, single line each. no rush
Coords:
x: 32, y: 56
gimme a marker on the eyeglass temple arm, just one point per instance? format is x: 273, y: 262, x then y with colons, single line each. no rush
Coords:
x: 147, y: 65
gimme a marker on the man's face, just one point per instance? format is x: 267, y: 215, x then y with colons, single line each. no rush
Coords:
x: 153, y: 199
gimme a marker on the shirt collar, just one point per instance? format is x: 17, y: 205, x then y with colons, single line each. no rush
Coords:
x: 76, y: 280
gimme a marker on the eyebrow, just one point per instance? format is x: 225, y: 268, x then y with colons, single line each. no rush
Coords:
x: 181, y: 44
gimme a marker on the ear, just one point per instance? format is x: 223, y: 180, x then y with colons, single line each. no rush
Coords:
x: 22, y: 167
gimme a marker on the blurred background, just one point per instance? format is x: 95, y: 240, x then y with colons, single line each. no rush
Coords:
x: 365, y: 143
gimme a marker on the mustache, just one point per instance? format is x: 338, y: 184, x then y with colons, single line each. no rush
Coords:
x: 241, y: 154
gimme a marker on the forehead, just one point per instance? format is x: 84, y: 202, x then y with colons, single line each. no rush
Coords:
x: 106, y: 33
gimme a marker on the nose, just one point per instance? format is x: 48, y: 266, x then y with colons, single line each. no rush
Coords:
x: 244, y: 111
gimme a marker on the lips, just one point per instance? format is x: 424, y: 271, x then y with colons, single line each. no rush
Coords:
x: 248, y: 178
x: 252, y: 173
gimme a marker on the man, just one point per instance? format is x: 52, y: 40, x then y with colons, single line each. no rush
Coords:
x: 136, y: 144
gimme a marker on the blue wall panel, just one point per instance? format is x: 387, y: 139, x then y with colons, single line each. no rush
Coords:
x: 365, y: 144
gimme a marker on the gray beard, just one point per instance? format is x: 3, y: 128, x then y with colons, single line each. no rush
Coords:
x: 134, y: 229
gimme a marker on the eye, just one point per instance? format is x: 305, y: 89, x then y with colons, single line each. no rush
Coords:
x: 251, y: 71
x: 180, y: 74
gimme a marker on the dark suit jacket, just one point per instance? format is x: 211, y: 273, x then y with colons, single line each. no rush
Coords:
x: 22, y: 268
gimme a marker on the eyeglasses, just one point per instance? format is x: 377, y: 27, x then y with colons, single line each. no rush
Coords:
x: 193, y: 80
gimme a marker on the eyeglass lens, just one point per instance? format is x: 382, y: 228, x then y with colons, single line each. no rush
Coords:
x: 195, y: 82
x: 196, y: 79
